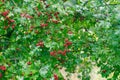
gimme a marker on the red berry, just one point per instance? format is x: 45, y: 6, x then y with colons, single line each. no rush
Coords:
x: 67, y: 43
x: 55, y: 77
x: 5, y: 13
x: 3, y: 68
x: 43, y: 25
x: 13, y: 26
x: 41, y: 44
x: 55, y: 14
x: 53, y: 53
x: 29, y: 63
x: 55, y: 21
x: 64, y: 52
x: 70, y: 32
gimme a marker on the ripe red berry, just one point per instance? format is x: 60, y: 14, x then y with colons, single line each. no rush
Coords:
x: 13, y: 26
x: 55, y: 21
x: 3, y: 68
x: 29, y: 63
x: 55, y: 14
x: 70, y: 32
x: 55, y: 77
x: 41, y: 44
x: 5, y: 13
x: 53, y: 53
x: 64, y: 52
x: 67, y: 43
x: 43, y: 25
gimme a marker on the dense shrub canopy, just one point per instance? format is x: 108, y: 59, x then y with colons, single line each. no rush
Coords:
x: 38, y: 37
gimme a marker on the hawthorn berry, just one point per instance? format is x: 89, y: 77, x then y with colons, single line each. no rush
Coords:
x: 64, y: 52
x: 41, y: 44
x: 3, y: 68
x: 55, y: 21
x: 53, y: 53
x: 5, y: 13
x: 13, y: 26
x: 29, y: 63
x: 70, y: 32
x: 55, y: 77
x: 55, y: 14
x: 43, y: 25
x: 67, y: 43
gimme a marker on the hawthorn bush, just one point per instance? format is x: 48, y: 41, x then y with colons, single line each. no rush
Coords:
x: 38, y: 37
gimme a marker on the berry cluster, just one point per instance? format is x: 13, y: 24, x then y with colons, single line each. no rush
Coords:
x: 41, y: 44
x: 43, y: 25
x: 8, y: 19
x: 67, y: 43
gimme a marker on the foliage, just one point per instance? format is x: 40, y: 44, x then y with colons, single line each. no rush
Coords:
x: 38, y: 37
